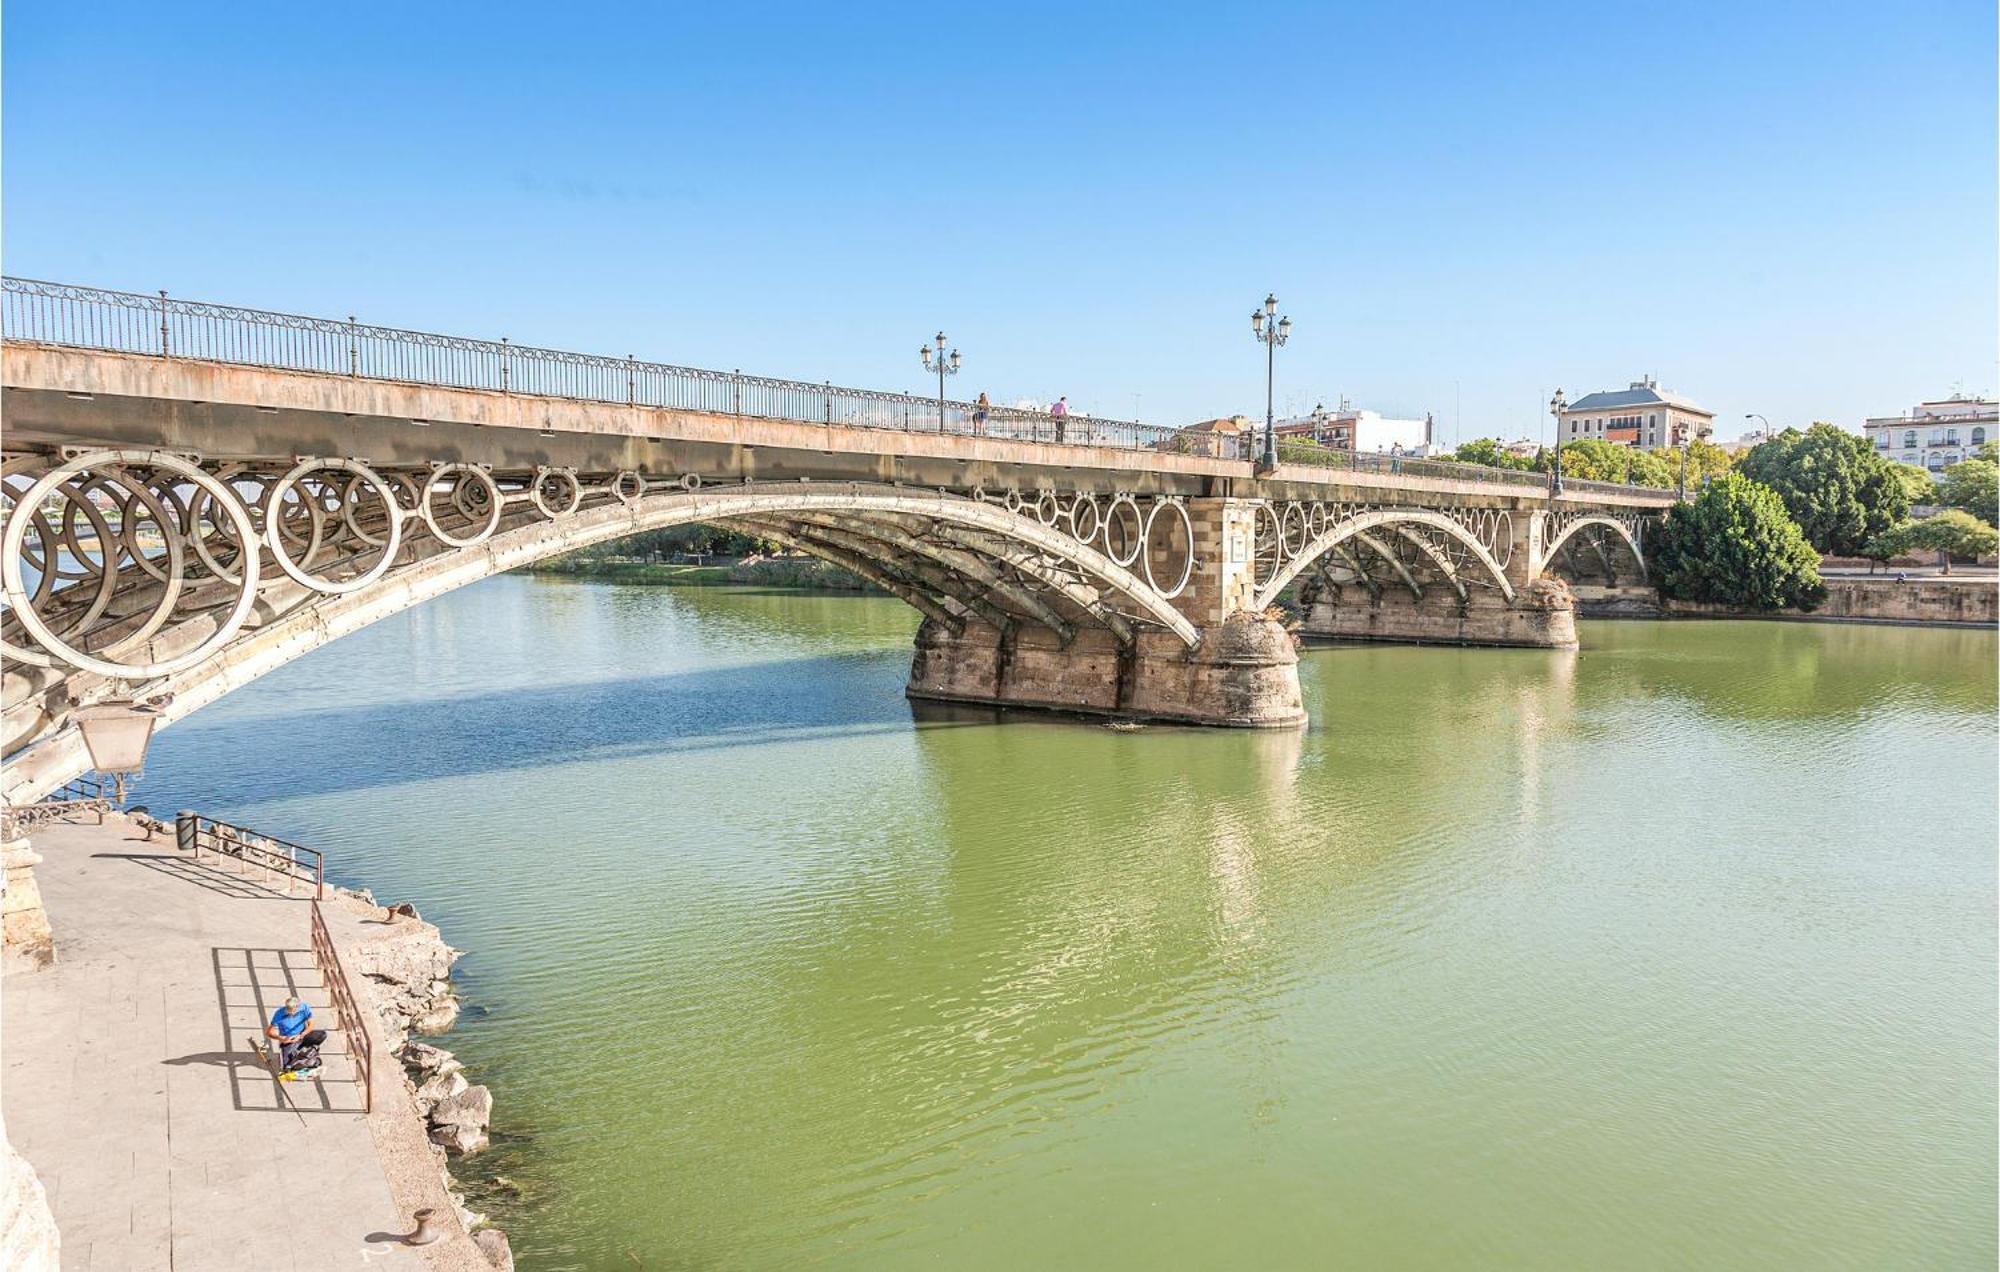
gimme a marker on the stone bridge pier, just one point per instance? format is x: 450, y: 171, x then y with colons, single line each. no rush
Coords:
x: 1241, y: 672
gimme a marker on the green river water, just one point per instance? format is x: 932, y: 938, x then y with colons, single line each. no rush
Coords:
x: 1677, y: 953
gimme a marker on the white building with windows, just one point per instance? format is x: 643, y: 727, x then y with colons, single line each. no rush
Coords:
x: 1935, y: 435
x: 1644, y: 415
x: 1354, y: 429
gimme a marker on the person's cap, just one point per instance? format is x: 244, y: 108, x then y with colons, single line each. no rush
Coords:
x: 293, y: 1002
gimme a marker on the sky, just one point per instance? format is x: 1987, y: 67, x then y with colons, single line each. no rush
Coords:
x: 1786, y: 209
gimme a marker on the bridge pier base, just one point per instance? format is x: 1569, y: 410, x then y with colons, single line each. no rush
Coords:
x: 1244, y: 674
x: 1542, y: 616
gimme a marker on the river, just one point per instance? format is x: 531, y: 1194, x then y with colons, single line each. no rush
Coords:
x: 1679, y: 952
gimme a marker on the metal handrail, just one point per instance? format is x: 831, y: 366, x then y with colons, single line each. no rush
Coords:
x: 360, y: 1046
x: 73, y: 316
x: 193, y: 832
x: 127, y: 322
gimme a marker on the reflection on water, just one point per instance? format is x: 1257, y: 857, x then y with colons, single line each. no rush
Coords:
x: 1675, y: 952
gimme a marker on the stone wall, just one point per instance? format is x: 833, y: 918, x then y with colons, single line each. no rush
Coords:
x: 1918, y: 602
x: 27, y: 944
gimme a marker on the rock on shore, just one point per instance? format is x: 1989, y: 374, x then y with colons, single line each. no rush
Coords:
x: 408, y: 968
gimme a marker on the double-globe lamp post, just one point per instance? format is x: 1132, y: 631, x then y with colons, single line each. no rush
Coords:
x: 1557, y: 405
x: 944, y: 366
x: 1272, y: 334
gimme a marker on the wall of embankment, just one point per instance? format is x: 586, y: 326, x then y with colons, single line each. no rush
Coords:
x: 1929, y: 601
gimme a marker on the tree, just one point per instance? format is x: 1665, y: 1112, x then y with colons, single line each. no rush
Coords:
x: 1490, y: 452
x: 1590, y: 459
x: 1917, y: 484
x: 1735, y: 544
x: 1953, y: 532
x: 1973, y: 485
x: 1833, y: 483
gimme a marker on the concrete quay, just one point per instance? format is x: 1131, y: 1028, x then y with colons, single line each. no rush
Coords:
x: 128, y: 1081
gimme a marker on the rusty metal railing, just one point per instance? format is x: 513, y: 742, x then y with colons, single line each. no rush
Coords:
x: 252, y: 849
x: 360, y: 1045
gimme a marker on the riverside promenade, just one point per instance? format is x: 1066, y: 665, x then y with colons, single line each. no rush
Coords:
x: 131, y: 1086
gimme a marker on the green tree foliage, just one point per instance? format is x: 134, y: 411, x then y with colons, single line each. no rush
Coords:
x: 1735, y: 544
x: 1833, y: 483
x: 674, y: 541
x: 1917, y: 485
x: 1492, y: 453
x: 1974, y: 486
x: 1954, y: 532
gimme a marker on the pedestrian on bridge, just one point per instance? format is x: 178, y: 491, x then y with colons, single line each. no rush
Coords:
x: 1060, y: 414
x: 980, y: 409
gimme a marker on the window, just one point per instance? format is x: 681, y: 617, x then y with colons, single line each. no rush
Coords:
x: 1937, y: 437
x: 1909, y: 457
x: 1936, y: 461
x: 1882, y: 442
x: 1978, y: 437
x: 1951, y: 437
x: 1910, y: 438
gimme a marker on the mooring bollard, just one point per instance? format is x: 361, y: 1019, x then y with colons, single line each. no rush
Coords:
x: 425, y: 1234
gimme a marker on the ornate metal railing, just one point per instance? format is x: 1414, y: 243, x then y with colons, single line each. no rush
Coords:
x: 252, y: 848
x: 360, y: 1046
x: 126, y: 322
x: 160, y: 325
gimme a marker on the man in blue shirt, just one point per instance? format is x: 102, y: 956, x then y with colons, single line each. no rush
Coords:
x: 291, y: 1029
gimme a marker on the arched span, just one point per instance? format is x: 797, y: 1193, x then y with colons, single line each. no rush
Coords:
x: 46, y: 761
x: 1617, y: 527
x: 1313, y: 549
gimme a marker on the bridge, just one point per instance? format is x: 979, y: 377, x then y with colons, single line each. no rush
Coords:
x: 197, y: 494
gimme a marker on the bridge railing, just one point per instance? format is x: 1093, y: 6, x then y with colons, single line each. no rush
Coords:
x: 159, y: 325
x: 1297, y: 452
x: 127, y: 322
x: 296, y: 863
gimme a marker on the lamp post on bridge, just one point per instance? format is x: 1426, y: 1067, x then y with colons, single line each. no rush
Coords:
x: 944, y: 366
x: 1270, y: 335
x: 1557, y: 405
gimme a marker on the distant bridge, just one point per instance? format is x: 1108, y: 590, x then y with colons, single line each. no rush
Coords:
x: 197, y: 494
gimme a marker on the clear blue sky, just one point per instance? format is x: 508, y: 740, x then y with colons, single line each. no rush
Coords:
x: 1785, y: 208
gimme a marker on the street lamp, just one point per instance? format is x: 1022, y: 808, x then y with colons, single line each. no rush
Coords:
x: 1271, y: 335
x: 1557, y: 405
x: 944, y: 366
x: 116, y: 733
x: 1319, y: 422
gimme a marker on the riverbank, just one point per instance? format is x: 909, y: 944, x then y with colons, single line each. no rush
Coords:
x: 134, y: 1089
x: 1929, y: 601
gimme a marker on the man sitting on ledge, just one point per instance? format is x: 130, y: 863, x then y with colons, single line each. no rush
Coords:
x: 298, y: 1045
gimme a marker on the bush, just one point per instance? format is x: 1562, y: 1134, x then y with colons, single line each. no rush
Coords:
x: 1734, y: 544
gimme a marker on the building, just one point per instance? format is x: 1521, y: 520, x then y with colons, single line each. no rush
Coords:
x: 1644, y: 415
x: 1749, y: 441
x: 1935, y: 435
x: 1352, y: 429
x: 1219, y: 438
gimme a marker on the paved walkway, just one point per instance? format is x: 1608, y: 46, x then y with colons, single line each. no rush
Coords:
x: 131, y: 1086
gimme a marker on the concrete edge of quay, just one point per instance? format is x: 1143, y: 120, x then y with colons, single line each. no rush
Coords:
x: 414, y: 1169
